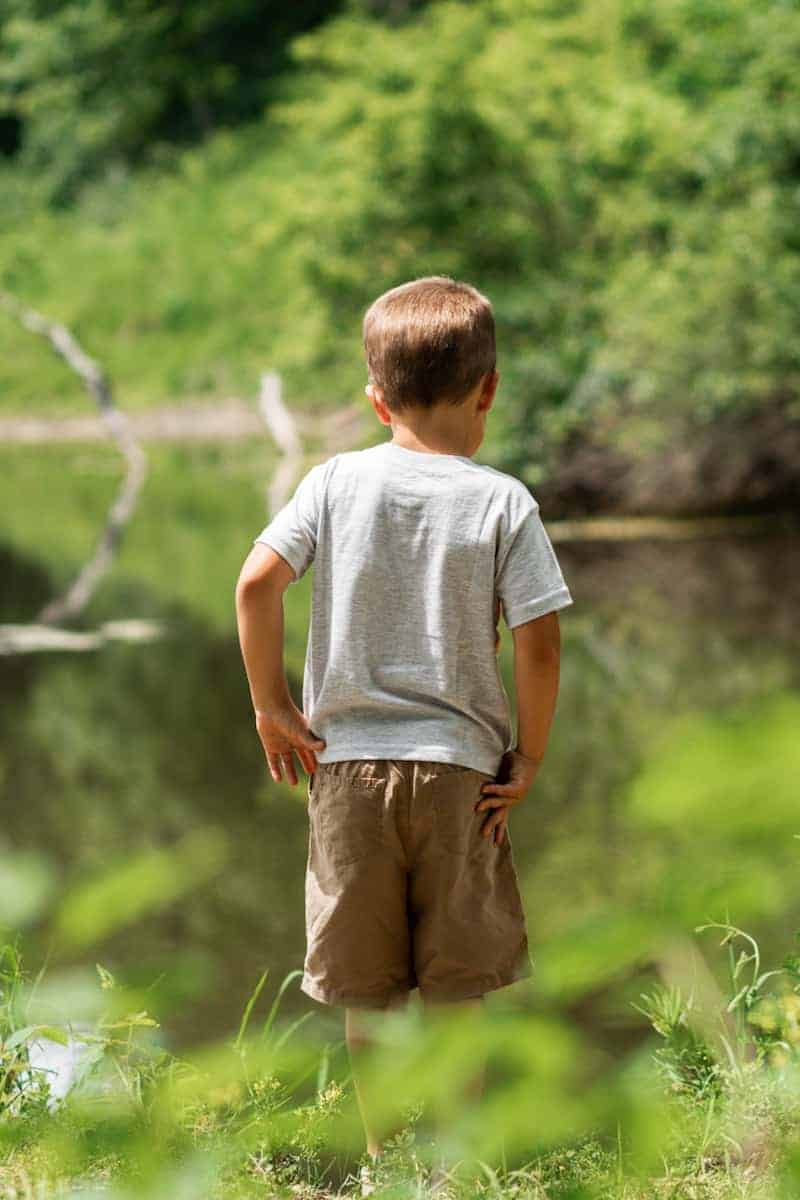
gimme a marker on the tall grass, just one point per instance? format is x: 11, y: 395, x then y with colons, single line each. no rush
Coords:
x: 270, y: 1110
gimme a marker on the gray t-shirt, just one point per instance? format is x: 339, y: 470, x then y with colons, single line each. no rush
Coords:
x: 410, y: 550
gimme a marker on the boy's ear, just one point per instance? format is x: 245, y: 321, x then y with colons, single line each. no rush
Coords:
x: 490, y: 382
x: 375, y: 393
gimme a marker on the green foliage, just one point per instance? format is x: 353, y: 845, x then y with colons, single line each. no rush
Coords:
x: 715, y: 792
x: 569, y: 159
x: 686, y: 1060
x: 620, y: 178
x: 707, y: 771
x: 235, y: 1118
x: 123, y: 893
x: 26, y: 885
x: 712, y: 1100
x: 103, y: 87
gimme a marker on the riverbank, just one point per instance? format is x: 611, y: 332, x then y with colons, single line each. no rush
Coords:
x: 743, y: 467
x: 742, y: 464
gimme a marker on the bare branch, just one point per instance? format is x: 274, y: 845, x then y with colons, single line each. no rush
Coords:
x: 97, y: 384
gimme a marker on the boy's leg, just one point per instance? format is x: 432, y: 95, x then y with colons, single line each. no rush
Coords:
x: 474, y: 1088
x: 359, y: 1039
x: 471, y: 1092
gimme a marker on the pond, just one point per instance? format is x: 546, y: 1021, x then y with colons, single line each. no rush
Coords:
x: 111, y: 753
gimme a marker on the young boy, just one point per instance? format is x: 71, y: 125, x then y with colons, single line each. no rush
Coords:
x: 405, y: 729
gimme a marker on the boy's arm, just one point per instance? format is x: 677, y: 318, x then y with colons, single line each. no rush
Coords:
x: 281, y: 726
x: 537, y: 663
x: 531, y: 588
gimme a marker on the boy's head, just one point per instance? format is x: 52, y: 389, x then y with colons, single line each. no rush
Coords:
x: 427, y: 341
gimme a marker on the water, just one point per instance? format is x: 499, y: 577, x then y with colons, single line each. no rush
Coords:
x: 110, y: 753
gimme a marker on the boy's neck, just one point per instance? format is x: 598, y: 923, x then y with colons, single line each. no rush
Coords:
x: 446, y: 438
x: 442, y: 428
x: 422, y: 449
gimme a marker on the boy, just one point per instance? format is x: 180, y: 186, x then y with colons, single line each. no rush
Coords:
x: 405, y: 729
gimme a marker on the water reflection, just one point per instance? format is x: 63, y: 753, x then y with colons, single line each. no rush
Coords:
x: 114, y: 751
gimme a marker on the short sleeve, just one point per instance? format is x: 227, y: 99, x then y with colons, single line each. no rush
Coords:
x: 528, y: 578
x: 292, y: 532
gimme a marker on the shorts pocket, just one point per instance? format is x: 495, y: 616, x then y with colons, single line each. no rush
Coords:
x: 347, y: 813
x: 453, y: 795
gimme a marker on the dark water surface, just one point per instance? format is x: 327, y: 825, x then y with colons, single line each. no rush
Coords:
x: 110, y: 753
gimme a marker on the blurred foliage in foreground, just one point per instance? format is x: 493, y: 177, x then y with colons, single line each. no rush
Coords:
x: 713, y: 1108
x: 705, y: 1101
x: 621, y: 178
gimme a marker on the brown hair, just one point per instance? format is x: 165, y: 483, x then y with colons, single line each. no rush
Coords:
x: 428, y: 340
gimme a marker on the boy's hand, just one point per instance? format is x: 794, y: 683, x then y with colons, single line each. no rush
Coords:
x: 510, y: 787
x: 282, y: 731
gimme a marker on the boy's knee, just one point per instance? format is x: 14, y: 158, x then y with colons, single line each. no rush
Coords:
x: 440, y: 1003
x: 360, y: 1022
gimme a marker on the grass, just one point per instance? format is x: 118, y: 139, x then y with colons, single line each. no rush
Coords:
x: 191, y: 308
x: 260, y: 1114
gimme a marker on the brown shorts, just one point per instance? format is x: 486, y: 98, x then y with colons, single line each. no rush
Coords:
x: 402, y: 890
